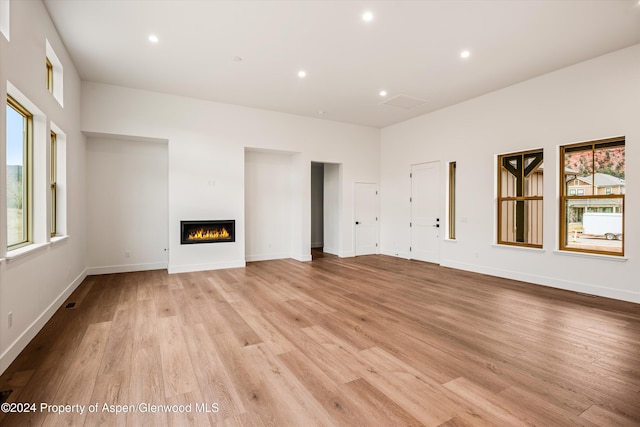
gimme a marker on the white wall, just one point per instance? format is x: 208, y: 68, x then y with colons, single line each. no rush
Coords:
x: 34, y: 285
x: 332, y: 207
x: 596, y: 99
x: 207, y: 142
x: 269, y: 203
x: 317, y: 198
x: 127, y: 205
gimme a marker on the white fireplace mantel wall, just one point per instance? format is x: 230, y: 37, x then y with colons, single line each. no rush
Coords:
x: 207, y: 142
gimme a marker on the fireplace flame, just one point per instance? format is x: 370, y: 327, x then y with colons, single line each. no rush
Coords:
x: 208, y: 234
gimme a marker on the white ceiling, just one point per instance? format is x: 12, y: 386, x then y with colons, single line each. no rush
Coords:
x: 410, y: 48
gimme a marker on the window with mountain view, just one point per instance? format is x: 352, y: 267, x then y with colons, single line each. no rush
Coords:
x: 592, y: 197
x: 19, y: 122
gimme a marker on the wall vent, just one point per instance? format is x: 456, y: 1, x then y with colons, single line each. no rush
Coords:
x: 4, y: 395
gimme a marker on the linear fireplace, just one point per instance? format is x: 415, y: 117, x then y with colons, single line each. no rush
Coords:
x: 207, y: 231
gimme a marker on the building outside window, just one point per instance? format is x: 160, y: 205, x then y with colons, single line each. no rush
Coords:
x: 592, y: 219
x: 520, y: 188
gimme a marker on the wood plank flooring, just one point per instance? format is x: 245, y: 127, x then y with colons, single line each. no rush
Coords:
x: 367, y: 341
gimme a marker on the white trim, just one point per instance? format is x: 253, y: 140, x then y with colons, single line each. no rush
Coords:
x: 330, y: 250
x: 23, y: 251
x: 397, y: 254
x: 519, y: 248
x: 25, y: 338
x: 267, y: 257
x: 32, y: 248
x: 591, y: 255
x: 125, y: 268
x: 187, y: 268
x: 58, y: 73
x: 58, y: 239
x: 5, y: 19
x: 551, y: 282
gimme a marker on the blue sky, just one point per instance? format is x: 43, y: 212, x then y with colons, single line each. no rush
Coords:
x: 15, y: 125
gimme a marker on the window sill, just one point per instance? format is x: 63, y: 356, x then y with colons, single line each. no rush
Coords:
x: 519, y: 248
x: 58, y: 239
x: 24, y: 251
x: 592, y: 256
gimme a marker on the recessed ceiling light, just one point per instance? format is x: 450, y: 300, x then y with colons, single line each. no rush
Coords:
x: 302, y: 74
x: 153, y: 38
x: 367, y: 16
x: 465, y: 54
x: 383, y: 93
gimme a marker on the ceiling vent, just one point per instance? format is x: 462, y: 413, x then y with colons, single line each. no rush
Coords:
x: 405, y: 102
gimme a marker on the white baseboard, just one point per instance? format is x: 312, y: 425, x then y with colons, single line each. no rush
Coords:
x: 399, y: 254
x: 551, y: 282
x: 25, y: 338
x: 267, y: 257
x: 330, y: 250
x: 187, y: 268
x: 125, y: 268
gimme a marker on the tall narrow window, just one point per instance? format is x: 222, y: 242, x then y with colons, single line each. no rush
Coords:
x: 4, y: 18
x: 49, y: 75
x: 54, y: 197
x: 592, y: 197
x: 452, y: 200
x: 55, y: 76
x: 520, y: 185
x: 19, y: 147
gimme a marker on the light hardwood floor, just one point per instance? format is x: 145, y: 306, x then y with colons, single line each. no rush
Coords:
x: 367, y: 341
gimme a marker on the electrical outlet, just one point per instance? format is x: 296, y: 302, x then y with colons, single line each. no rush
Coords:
x: 10, y: 319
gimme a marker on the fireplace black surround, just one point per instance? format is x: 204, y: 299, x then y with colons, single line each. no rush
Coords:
x: 208, y: 231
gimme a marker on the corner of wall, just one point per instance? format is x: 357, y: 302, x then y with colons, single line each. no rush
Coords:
x: 23, y: 340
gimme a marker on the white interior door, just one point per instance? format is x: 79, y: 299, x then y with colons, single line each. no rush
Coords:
x: 425, y: 212
x: 366, y: 221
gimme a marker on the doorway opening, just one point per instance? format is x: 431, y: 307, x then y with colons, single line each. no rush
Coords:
x: 325, y: 208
